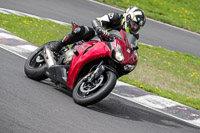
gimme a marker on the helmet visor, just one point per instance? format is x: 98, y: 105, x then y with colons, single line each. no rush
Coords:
x: 133, y: 27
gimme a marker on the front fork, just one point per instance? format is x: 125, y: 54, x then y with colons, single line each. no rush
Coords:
x: 97, y: 73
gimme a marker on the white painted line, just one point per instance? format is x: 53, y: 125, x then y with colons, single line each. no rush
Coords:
x: 7, y: 11
x: 106, y: 5
x: 147, y: 44
x: 30, y: 15
x: 157, y: 102
x: 15, y: 49
x: 30, y: 48
x: 1, y: 46
x: 59, y: 22
x: 19, y: 13
x: 13, y: 12
x: 4, y: 30
x: 197, y: 121
x: 147, y: 18
x: 9, y: 36
x: 194, y: 122
x: 4, y: 12
x: 120, y: 83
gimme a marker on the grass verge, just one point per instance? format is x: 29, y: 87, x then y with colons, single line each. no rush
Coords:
x: 33, y: 30
x: 166, y: 73
x: 181, y: 13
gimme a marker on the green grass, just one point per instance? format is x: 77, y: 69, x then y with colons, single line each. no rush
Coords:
x: 169, y: 74
x: 33, y: 30
x: 166, y: 73
x: 181, y: 13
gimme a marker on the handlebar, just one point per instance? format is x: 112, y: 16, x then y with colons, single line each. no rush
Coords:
x: 110, y: 38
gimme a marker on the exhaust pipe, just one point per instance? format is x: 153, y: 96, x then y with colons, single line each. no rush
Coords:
x: 49, y: 57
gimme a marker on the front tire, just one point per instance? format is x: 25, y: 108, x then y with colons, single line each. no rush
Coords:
x: 104, y: 85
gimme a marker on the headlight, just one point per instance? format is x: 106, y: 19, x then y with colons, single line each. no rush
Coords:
x: 129, y: 67
x: 118, y: 53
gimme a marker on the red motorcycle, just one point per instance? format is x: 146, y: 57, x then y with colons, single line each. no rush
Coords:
x: 89, y: 69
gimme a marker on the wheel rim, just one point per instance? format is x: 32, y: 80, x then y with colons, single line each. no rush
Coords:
x: 87, y: 88
x: 37, y: 60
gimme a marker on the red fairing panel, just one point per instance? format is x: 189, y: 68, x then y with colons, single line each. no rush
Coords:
x: 129, y: 56
x: 98, y: 50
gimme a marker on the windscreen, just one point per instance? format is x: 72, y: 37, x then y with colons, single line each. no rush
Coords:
x: 132, y: 40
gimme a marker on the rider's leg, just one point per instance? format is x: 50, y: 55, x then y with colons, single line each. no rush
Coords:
x: 79, y: 33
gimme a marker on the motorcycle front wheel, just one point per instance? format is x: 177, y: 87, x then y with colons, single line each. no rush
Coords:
x: 87, y: 93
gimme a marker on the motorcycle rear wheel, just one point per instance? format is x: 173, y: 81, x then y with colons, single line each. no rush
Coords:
x: 99, y: 89
x: 35, y: 65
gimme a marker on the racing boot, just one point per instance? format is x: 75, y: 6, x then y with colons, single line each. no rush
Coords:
x: 55, y: 47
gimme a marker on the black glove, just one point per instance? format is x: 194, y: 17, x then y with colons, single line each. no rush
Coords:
x: 103, y: 33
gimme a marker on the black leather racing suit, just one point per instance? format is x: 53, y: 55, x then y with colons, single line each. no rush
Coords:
x: 111, y: 21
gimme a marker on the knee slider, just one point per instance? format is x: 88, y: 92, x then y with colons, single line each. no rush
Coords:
x: 78, y: 30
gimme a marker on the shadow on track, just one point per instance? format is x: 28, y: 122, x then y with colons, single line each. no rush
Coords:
x: 117, y: 107
x: 121, y: 108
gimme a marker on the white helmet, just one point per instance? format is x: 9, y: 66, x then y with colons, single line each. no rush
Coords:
x: 134, y: 19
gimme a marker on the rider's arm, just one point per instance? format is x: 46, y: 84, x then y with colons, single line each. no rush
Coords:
x: 107, y: 21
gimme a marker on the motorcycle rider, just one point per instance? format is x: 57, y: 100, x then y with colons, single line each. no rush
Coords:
x: 131, y: 21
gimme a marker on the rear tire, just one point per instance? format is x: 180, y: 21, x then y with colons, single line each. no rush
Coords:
x: 105, y: 87
x: 35, y: 65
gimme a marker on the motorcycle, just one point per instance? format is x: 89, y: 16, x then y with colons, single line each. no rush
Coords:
x: 89, y: 69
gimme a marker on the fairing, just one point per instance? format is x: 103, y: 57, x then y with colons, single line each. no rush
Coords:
x: 129, y: 56
x: 100, y: 50
x: 94, y: 50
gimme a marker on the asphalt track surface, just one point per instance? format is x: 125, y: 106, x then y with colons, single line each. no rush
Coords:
x: 31, y: 107
x: 83, y: 11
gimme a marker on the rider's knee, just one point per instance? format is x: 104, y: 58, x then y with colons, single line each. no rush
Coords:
x: 83, y: 33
